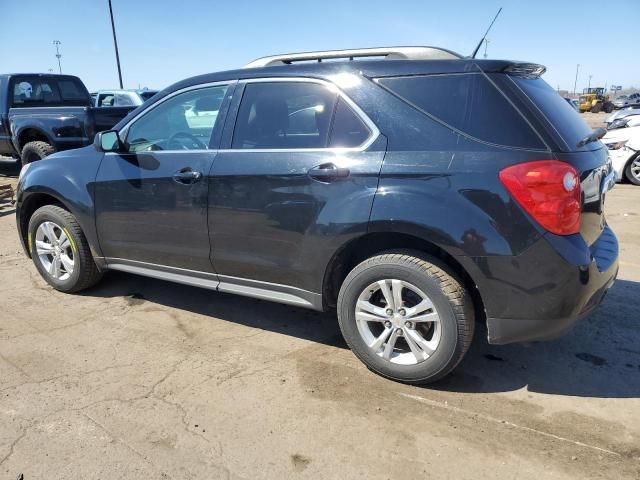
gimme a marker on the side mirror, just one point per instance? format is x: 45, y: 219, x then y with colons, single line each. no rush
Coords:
x: 108, y: 141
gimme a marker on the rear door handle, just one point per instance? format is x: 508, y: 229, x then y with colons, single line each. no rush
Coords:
x: 328, y: 172
x: 187, y: 176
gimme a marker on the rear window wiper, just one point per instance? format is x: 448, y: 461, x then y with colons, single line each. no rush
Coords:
x: 597, y: 134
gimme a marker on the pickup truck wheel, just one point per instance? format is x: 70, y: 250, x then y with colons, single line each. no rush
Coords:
x: 60, y: 250
x: 34, y: 151
x: 406, y: 316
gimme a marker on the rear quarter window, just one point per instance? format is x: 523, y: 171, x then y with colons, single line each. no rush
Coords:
x: 468, y: 103
x: 561, y: 116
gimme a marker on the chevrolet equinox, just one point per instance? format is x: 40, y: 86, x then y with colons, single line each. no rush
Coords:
x: 413, y: 190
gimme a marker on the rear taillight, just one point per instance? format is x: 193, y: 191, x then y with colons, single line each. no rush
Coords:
x: 549, y: 191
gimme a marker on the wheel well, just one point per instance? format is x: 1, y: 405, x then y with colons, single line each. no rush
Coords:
x: 371, y: 244
x: 31, y: 204
x: 31, y: 135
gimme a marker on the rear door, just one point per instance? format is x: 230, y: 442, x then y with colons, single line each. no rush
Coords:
x: 151, y: 199
x: 296, y: 179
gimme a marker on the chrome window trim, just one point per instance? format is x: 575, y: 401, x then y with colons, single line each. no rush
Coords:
x: 374, y: 131
x: 126, y: 127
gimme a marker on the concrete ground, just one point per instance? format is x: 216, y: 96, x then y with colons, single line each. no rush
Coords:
x: 139, y: 378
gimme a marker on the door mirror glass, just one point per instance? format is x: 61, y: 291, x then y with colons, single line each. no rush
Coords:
x: 108, y: 141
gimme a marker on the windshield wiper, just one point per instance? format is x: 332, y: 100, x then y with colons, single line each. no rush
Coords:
x: 597, y: 134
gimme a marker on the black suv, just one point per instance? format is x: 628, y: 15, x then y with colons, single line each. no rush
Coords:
x: 415, y: 191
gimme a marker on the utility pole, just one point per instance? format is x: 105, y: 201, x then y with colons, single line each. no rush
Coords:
x: 486, y: 43
x: 115, y: 44
x: 57, y: 43
x: 575, y: 83
x: 588, y: 87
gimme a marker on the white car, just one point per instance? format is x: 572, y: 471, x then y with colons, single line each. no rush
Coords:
x: 624, y: 151
x: 615, y: 120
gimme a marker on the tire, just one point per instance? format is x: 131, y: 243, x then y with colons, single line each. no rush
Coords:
x: 596, y: 108
x: 84, y: 273
x: 34, y: 151
x: 451, y: 302
x: 633, y: 163
x: 608, y: 108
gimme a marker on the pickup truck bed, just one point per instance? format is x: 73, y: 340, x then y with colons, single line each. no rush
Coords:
x: 43, y: 113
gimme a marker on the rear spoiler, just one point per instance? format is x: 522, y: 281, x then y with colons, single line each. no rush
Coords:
x: 527, y: 70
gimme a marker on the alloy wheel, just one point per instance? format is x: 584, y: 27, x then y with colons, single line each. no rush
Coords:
x: 54, y: 250
x: 398, y: 321
x: 635, y: 168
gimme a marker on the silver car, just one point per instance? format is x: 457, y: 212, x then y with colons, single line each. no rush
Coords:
x: 627, y: 100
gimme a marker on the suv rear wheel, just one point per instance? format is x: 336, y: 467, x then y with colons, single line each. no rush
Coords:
x: 60, y: 250
x: 406, y: 317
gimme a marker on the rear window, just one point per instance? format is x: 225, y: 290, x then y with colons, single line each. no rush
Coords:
x: 569, y: 124
x: 470, y: 104
x: 36, y: 91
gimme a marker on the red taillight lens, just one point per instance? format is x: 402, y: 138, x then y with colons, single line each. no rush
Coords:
x: 549, y: 191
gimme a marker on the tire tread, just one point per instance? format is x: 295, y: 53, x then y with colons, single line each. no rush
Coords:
x: 451, y: 287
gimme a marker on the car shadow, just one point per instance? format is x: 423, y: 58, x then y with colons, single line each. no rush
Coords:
x: 283, y: 319
x: 599, y: 358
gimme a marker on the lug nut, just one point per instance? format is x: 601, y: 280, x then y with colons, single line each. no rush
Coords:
x: 402, y: 312
x: 387, y: 324
x: 399, y: 331
x: 408, y: 324
x: 389, y: 311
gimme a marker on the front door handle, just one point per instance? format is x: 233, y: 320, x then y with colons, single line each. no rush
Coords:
x: 328, y: 172
x: 187, y: 176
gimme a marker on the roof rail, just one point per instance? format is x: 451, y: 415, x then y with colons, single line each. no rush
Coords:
x: 389, y: 53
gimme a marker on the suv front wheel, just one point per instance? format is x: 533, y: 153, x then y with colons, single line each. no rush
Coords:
x: 406, y: 317
x: 60, y: 250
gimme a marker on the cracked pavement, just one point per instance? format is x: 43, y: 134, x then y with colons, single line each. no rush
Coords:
x: 139, y: 378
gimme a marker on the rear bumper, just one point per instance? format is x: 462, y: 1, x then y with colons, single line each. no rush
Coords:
x: 549, y: 288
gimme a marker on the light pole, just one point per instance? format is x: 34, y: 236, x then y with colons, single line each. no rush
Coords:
x: 57, y: 43
x: 486, y: 43
x: 115, y: 44
x: 576, y: 80
x: 589, y: 86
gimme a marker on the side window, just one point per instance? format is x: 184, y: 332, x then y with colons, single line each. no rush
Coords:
x: 70, y: 90
x: 468, y: 102
x: 105, y: 100
x: 183, y: 122
x: 284, y: 115
x: 348, y: 129
x: 123, y: 100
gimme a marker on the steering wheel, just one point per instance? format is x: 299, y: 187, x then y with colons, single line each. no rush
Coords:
x: 195, y: 142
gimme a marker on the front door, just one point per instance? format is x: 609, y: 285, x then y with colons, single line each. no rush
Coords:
x: 296, y: 179
x: 151, y: 199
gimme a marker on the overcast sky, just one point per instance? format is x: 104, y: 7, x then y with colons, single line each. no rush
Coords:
x: 163, y: 41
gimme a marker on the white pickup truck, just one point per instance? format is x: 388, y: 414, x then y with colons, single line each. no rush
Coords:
x: 121, y: 98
